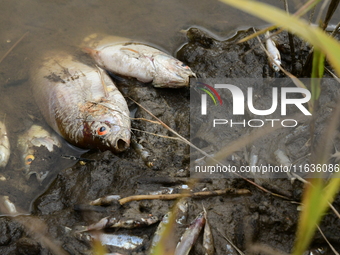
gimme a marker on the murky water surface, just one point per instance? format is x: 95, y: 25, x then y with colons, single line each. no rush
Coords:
x: 59, y: 24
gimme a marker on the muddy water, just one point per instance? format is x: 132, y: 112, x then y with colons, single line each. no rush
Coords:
x: 63, y: 24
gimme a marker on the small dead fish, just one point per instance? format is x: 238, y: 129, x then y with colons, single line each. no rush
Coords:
x: 109, y: 222
x: 282, y: 158
x: 275, y: 57
x: 36, y: 136
x: 159, y: 232
x: 166, y: 190
x: 181, y: 213
x: 107, y: 200
x: 127, y: 242
x: 145, y: 155
x: 9, y: 206
x: 190, y: 235
x: 208, y: 240
x: 2, y: 178
x: 140, y: 61
x: 123, y: 241
x: 317, y: 251
x: 4, y: 145
x: 81, y: 103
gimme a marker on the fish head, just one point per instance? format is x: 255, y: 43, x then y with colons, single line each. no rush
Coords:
x: 110, y: 132
x: 35, y: 163
x: 170, y: 72
x: 39, y: 150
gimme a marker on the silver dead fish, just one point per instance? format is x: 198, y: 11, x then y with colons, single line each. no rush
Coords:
x: 123, y: 241
x: 140, y: 61
x: 208, y: 240
x: 81, y: 103
x: 275, y: 57
x: 5, y: 150
x: 8, y: 206
x: 36, y: 136
x: 111, y: 222
x: 190, y: 235
x: 180, y: 211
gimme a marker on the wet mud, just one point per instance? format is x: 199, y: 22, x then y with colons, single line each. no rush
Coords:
x: 257, y: 218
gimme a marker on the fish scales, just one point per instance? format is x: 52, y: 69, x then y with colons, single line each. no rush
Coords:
x: 81, y: 103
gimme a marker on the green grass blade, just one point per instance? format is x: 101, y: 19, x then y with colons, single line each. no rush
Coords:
x: 314, y: 35
x: 315, y: 205
x: 310, y: 216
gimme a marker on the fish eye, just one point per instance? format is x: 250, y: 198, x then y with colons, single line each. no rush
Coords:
x: 184, y: 65
x: 102, y: 130
x: 29, y: 159
x: 276, y: 68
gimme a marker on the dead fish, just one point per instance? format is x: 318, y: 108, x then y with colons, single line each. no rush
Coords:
x: 180, y: 211
x: 81, y: 103
x: 140, y: 61
x: 144, y: 154
x: 36, y: 136
x: 123, y: 241
x: 208, y: 240
x: 159, y: 232
x: 9, y: 207
x: 107, y: 200
x: 275, y: 57
x: 5, y: 150
x: 110, y: 222
x: 190, y: 235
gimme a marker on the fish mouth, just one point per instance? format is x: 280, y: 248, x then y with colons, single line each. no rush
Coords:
x: 121, y: 145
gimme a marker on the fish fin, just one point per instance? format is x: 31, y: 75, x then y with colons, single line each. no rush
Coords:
x: 106, y: 92
x: 90, y: 51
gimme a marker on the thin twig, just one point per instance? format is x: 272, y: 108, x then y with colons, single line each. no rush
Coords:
x: 333, y: 74
x: 151, y: 121
x: 322, y: 8
x: 324, y: 237
x: 336, y: 30
x: 181, y: 195
x: 163, y: 136
x: 13, y: 46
